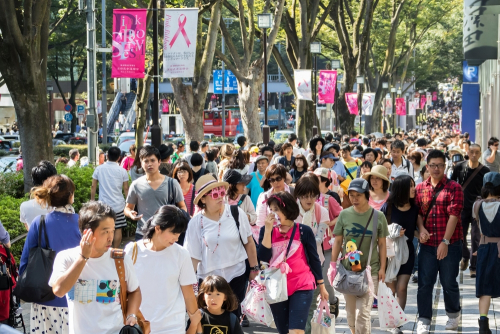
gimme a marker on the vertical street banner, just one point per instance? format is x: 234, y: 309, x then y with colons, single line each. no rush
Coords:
x: 303, y: 84
x: 368, y: 102
x: 428, y: 97
x: 423, y: 101
x: 400, y: 106
x: 179, y: 42
x: 412, y: 110
x: 388, y: 106
x: 326, y: 86
x: 129, y: 43
x: 434, y: 96
x: 352, y: 103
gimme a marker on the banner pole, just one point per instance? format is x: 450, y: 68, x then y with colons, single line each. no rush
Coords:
x: 155, y: 129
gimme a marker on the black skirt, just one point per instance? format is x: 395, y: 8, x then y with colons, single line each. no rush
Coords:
x: 407, y: 268
x: 488, y: 271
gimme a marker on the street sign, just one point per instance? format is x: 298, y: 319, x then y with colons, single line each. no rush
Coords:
x: 68, y: 107
x: 68, y: 117
x: 230, y: 83
x: 80, y: 109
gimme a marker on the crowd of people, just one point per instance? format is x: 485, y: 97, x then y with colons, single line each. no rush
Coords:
x: 206, y: 220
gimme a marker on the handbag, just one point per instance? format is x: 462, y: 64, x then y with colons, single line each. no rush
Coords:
x: 357, y: 283
x: 33, y: 285
x: 6, y: 269
x: 118, y: 255
x: 322, y: 321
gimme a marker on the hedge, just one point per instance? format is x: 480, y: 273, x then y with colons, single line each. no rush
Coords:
x: 63, y: 150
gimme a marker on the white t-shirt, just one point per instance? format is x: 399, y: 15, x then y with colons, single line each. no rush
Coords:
x: 71, y: 163
x: 111, y: 178
x: 29, y: 210
x: 228, y: 260
x: 163, y: 304
x: 94, y: 301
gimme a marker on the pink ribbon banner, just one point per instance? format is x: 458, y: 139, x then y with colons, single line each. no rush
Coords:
x: 179, y: 42
x: 129, y: 43
x: 400, y: 106
x: 352, y: 103
x: 423, y: 101
x: 326, y: 86
x: 434, y: 96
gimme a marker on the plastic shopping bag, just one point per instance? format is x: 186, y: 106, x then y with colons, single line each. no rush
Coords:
x: 390, y: 313
x: 322, y: 322
x: 274, y: 279
x: 255, y: 306
x: 389, y: 243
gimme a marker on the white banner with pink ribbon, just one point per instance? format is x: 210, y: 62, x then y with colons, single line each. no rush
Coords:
x: 179, y: 42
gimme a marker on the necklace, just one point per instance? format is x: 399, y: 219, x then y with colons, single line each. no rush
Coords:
x: 218, y: 232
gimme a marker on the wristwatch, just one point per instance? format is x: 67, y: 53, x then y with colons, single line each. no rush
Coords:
x: 255, y: 268
x: 447, y: 242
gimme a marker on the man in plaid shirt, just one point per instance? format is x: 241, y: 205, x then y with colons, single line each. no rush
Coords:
x: 440, y: 242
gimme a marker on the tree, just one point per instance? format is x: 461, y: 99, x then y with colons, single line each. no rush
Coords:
x: 24, y: 26
x: 249, y: 72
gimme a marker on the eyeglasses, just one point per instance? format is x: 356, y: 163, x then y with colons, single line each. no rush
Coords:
x: 217, y: 193
x: 496, y: 145
x: 277, y: 179
x: 440, y: 166
x: 181, y: 171
x: 306, y: 197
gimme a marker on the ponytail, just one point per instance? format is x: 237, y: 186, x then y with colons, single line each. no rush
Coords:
x: 41, y: 195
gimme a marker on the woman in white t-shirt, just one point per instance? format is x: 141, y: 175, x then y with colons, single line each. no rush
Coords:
x: 165, y: 272
x: 87, y: 275
x: 217, y: 245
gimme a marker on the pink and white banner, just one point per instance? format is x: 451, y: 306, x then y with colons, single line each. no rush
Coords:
x: 352, y: 103
x: 302, y: 80
x: 423, y: 101
x: 412, y: 108
x: 326, y: 86
x: 428, y: 97
x: 434, y: 96
x: 368, y: 102
x: 400, y: 106
x: 129, y: 43
x: 179, y: 42
x: 388, y: 106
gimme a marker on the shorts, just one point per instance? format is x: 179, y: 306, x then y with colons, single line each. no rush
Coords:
x: 292, y: 313
x: 120, y: 221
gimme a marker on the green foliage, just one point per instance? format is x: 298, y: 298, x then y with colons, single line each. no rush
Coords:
x: 82, y: 178
x: 9, y: 216
x: 12, y: 184
x: 63, y: 150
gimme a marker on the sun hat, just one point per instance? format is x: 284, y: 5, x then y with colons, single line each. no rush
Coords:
x: 227, y: 150
x: 378, y: 171
x: 234, y: 177
x: 165, y: 151
x: 359, y: 185
x: 456, y: 149
x: 313, y: 142
x: 206, y: 183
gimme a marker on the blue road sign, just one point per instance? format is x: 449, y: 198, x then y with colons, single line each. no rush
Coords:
x: 471, y: 73
x: 80, y: 109
x: 68, y: 117
x: 230, y: 84
x: 68, y: 107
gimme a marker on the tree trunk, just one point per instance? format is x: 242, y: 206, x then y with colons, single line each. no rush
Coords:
x: 248, y: 93
x: 191, y: 110
x: 305, y: 122
x: 141, y: 106
x: 345, y: 118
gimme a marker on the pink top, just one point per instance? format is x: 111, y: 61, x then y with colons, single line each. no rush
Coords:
x: 334, y: 209
x: 127, y: 162
x: 377, y: 204
x: 300, y: 276
x: 187, y: 198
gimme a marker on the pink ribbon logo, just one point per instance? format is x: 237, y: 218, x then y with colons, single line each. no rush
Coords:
x: 285, y: 268
x: 182, y: 23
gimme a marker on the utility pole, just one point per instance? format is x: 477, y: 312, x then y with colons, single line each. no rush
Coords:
x: 104, y: 104
x: 155, y: 128
x: 92, y: 120
x: 223, y: 116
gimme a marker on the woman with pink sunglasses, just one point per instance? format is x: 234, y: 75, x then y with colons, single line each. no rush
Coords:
x: 219, y: 238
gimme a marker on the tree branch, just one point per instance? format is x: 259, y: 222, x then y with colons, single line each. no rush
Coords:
x: 65, y: 15
x: 9, y: 23
x: 60, y: 89
x: 284, y: 69
x: 321, y: 21
x: 229, y: 42
x: 125, y: 4
x: 349, y: 11
x: 230, y: 65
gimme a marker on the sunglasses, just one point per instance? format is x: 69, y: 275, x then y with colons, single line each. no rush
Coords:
x: 277, y: 179
x: 217, y: 192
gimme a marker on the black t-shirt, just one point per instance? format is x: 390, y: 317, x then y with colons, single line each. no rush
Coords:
x: 334, y: 195
x: 219, y: 324
x: 296, y: 175
x: 198, y: 174
x: 406, y: 219
x: 461, y: 173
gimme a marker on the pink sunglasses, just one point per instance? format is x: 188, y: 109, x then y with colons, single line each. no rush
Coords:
x: 217, y: 192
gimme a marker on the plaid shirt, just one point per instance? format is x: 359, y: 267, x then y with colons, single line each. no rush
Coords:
x: 449, y: 203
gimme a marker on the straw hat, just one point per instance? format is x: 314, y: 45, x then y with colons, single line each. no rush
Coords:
x: 227, y: 150
x: 205, y: 184
x: 378, y: 171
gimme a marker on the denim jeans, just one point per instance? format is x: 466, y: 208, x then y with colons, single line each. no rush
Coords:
x: 415, y: 246
x: 475, y: 237
x: 138, y: 237
x: 448, y: 269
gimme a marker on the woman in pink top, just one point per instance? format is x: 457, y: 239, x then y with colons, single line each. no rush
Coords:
x: 128, y: 161
x: 379, y: 186
x: 291, y: 247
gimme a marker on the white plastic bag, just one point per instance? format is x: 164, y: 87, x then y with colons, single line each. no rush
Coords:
x: 390, y: 313
x: 322, y: 321
x: 390, y: 247
x: 255, y: 306
x: 276, y: 286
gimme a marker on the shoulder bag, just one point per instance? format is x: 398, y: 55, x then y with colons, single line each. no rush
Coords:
x: 357, y: 283
x: 433, y: 201
x: 118, y: 255
x: 33, y: 285
x: 470, y: 178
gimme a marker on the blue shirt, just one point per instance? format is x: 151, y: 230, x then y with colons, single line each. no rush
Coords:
x: 339, y: 169
x: 255, y: 188
x: 62, y: 232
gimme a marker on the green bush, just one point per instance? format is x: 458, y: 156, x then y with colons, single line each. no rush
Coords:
x: 12, y: 184
x: 9, y: 216
x: 82, y: 178
x: 63, y: 150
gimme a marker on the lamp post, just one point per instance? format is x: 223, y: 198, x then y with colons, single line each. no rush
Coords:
x: 407, y: 101
x: 265, y: 21
x: 335, y: 66
x: 385, y: 86
x: 155, y: 128
x: 393, y: 93
x: 360, y: 80
x: 227, y: 21
x: 315, y: 50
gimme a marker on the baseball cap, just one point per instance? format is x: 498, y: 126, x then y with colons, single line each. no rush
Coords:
x: 262, y: 157
x: 324, y: 172
x: 356, y: 153
x: 359, y: 185
x: 492, y: 177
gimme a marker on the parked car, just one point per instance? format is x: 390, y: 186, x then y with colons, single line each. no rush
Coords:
x: 111, y: 139
x: 11, y: 137
x: 8, y: 164
x: 125, y: 146
x: 6, y: 146
x: 208, y: 136
x: 58, y: 142
x: 282, y: 134
x: 67, y: 136
x: 78, y: 140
